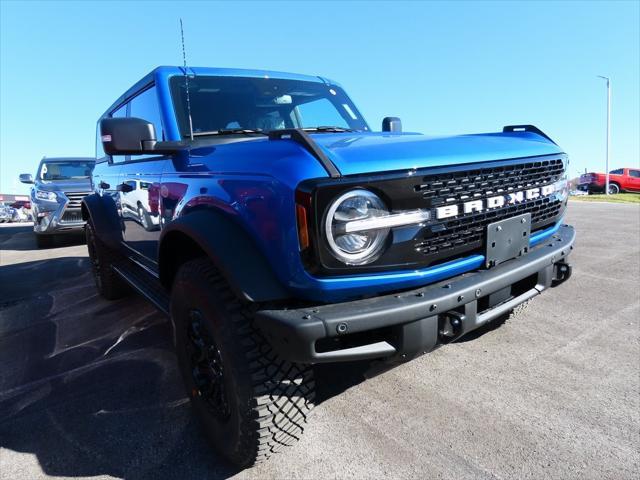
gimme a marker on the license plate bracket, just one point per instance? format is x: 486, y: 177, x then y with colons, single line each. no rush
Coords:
x: 507, y: 239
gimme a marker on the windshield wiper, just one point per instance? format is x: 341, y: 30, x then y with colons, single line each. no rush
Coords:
x: 328, y: 128
x: 231, y: 131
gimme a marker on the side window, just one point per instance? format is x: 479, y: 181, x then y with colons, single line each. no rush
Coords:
x: 634, y: 173
x: 320, y: 113
x: 619, y: 171
x: 121, y: 112
x: 146, y: 106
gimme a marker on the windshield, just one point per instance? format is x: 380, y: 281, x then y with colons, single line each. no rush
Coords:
x: 65, y: 170
x: 221, y: 104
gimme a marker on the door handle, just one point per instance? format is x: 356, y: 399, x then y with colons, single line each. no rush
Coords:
x: 104, y: 185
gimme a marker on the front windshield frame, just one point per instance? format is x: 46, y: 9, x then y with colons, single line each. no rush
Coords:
x: 344, y: 107
x: 44, y: 169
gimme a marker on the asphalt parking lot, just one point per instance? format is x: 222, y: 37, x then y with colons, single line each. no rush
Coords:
x: 90, y: 388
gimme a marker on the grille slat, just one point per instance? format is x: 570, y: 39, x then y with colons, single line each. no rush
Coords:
x: 75, y: 198
x: 508, y: 178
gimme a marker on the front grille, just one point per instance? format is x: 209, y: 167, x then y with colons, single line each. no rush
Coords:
x: 466, y: 233
x: 71, y: 216
x: 75, y: 198
x: 438, y: 241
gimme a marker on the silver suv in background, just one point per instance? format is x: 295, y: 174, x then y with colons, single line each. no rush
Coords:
x: 59, y: 186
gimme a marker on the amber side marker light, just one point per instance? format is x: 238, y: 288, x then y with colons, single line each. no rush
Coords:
x: 303, y: 228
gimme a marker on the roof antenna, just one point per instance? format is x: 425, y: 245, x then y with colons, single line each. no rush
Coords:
x: 186, y: 82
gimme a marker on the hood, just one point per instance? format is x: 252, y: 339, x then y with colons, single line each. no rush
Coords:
x: 75, y: 185
x: 356, y: 153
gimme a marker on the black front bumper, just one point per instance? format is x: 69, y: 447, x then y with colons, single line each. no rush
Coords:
x: 416, y: 321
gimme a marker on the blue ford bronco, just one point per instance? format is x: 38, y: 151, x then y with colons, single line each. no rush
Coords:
x: 259, y: 211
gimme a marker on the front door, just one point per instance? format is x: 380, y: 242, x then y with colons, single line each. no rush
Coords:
x: 139, y: 185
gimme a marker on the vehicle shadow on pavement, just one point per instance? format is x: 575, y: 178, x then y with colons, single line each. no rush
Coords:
x: 20, y: 237
x: 91, y: 387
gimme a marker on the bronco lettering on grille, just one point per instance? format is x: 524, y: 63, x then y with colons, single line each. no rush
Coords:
x: 497, y: 201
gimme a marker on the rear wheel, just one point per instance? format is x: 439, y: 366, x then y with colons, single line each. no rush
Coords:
x: 614, y: 188
x: 44, y: 241
x: 250, y: 402
x: 145, y: 218
x: 108, y: 282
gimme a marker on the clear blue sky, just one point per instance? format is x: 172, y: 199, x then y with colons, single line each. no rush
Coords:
x: 444, y: 68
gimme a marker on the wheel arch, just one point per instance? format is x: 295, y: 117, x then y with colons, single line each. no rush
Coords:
x: 103, y: 213
x: 212, y: 233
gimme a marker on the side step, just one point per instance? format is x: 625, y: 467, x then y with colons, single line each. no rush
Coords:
x: 144, y: 284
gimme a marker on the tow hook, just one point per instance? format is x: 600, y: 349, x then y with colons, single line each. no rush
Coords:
x: 561, y: 272
x: 451, y: 324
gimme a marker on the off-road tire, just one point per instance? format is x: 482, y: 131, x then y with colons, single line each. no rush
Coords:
x: 108, y: 282
x: 44, y: 241
x: 267, y: 398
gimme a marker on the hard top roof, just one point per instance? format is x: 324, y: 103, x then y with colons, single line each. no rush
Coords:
x: 167, y: 71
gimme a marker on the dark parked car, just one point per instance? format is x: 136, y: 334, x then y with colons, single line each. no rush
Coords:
x: 58, y: 189
x: 288, y: 233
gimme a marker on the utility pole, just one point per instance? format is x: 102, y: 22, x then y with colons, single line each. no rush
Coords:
x: 606, y: 188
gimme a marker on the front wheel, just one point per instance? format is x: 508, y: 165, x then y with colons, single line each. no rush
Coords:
x: 613, y: 189
x: 108, y: 282
x: 145, y: 218
x: 250, y: 402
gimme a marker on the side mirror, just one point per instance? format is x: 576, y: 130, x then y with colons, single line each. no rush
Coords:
x: 127, y: 136
x: 26, y: 178
x: 391, y: 124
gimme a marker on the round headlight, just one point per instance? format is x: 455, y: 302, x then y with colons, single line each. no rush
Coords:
x: 355, y: 247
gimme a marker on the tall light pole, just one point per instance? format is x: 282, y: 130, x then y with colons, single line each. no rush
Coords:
x: 606, y: 188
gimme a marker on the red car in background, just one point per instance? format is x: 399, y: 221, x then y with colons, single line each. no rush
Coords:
x: 21, y: 204
x: 620, y: 180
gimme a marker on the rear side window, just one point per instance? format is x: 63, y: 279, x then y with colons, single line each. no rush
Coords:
x: 634, y: 173
x: 619, y: 171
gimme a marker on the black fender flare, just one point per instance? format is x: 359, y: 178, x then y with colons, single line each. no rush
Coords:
x: 102, y: 211
x: 230, y: 248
